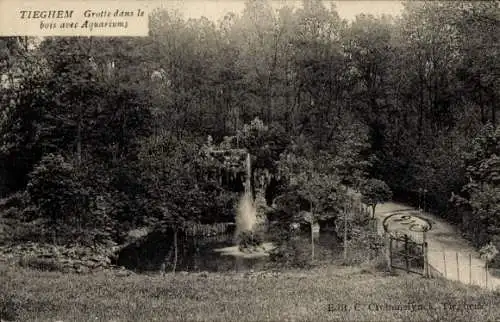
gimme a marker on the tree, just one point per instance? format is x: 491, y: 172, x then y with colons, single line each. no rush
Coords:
x: 264, y: 142
x: 478, y: 199
x: 369, y: 54
x: 23, y: 74
x: 488, y: 252
x: 320, y: 194
x: 56, y: 190
x: 259, y: 38
x: 478, y: 29
x: 375, y: 191
x: 311, y: 195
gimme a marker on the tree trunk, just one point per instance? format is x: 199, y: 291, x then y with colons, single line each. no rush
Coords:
x: 481, y: 106
x: 345, y: 235
x: 175, y: 251
x: 79, y: 130
x: 312, y: 237
x: 493, y: 114
x: 79, y: 139
x: 373, y: 214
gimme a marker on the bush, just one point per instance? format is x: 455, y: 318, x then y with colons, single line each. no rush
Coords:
x: 374, y: 265
x: 364, y: 247
x: 41, y: 264
x: 21, y: 232
x: 374, y: 192
x: 15, y: 200
x: 13, y: 206
x: 249, y: 240
x: 355, y: 222
x: 54, y: 187
x: 293, y: 252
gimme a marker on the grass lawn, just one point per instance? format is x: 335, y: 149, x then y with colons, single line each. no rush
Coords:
x: 352, y: 294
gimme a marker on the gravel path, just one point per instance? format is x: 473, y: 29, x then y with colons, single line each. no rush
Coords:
x: 445, y: 244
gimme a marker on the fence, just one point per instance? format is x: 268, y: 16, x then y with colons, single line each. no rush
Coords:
x: 464, y: 268
x: 433, y: 272
x: 195, y: 229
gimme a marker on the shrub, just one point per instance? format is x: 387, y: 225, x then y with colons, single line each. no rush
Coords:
x: 20, y: 232
x: 13, y: 206
x: 41, y: 264
x: 54, y: 187
x: 376, y: 264
x: 249, y: 240
x: 357, y: 220
x: 364, y: 247
x: 15, y: 200
x: 293, y: 252
x: 374, y: 192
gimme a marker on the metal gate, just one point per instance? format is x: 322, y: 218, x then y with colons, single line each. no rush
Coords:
x: 407, y: 254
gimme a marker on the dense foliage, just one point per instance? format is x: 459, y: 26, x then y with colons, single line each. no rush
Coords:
x: 318, y: 101
x: 375, y: 192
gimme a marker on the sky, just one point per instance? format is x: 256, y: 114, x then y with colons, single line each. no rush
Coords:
x: 216, y: 9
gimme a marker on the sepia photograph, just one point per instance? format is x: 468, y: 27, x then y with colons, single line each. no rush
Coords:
x: 249, y: 160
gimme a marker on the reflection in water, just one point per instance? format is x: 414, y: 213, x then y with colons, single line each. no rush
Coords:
x: 204, y: 253
x: 194, y: 254
x: 206, y: 256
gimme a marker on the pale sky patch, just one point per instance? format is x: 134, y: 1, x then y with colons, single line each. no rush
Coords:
x: 216, y: 9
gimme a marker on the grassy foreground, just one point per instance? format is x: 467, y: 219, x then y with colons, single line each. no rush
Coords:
x: 328, y: 293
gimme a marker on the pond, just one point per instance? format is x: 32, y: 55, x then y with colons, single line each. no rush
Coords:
x: 209, y: 253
